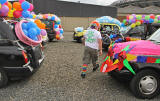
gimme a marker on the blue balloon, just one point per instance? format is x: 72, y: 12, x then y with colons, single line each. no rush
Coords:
x: 55, y: 26
x: 25, y: 32
x: 3, y: 1
x: 30, y: 16
x: 61, y: 31
x: 53, y: 18
x: 38, y: 31
x: 24, y: 26
x: 31, y: 25
x: 25, y: 5
x: 151, y: 20
x: 25, y: 14
x: 35, y: 38
x: 120, y: 39
x: 111, y: 36
x: 116, y: 41
x: 32, y: 32
x: 115, y: 35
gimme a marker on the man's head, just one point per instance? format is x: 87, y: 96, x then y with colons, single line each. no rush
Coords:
x: 94, y: 26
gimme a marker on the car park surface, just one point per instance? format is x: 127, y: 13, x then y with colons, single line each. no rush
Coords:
x: 59, y: 79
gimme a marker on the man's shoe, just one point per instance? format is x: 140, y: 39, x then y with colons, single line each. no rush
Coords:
x: 83, y: 75
x: 95, y: 68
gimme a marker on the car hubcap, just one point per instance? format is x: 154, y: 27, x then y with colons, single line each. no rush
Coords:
x: 148, y: 85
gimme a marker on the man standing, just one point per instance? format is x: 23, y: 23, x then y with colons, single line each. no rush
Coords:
x: 93, y: 42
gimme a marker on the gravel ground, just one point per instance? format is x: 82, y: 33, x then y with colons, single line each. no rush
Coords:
x: 59, y: 79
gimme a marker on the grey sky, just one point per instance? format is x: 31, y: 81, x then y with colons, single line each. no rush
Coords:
x: 97, y: 2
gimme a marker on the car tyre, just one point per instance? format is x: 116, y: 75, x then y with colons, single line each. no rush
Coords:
x: 3, y: 78
x: 145, y: 84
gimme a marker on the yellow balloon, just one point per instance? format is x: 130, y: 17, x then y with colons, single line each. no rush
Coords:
x: 10, y: 13
x: 34, y: 16
x: 0, y: 6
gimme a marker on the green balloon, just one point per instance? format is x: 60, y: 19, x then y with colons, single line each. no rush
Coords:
x: 147, y: 17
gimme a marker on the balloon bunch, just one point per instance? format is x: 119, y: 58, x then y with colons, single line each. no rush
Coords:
x: 31, y: 30
x: 136, y: 20
x: 56, y: 23
x: 108, y: 19
x: 20, y: 9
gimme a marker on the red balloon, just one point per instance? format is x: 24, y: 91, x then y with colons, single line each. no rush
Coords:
x: 17, y: 14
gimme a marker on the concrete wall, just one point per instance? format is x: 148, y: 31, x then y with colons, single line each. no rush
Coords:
x: 69, y: 23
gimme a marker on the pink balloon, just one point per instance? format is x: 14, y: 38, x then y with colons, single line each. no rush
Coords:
x: 4, y: 10
x: 43, y: 32
x: 31, y: 7
x: 20, y: 1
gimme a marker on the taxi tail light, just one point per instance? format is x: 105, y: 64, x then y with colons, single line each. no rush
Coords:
x: 25, y: 57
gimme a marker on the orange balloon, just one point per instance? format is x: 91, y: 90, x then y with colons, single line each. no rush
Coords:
x: 9, y: 5
x: 37, y: 21
x: 17, y: 6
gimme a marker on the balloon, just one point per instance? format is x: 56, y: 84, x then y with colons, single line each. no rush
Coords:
x: 25, y: 14
x: 37, y: 21
x: 151, y: 20
x: 61, y: 31
x: 25, y: 5
x: 17, y: 6
x: 133, y: 25
x: 31, y: 7
x: 55, y: 26
x: 138, y: 23
x: 152, y: 16
x: 43, y: 32
x: 4, y: 10
x: 130, y: 17
x: 0, y: 6
x: 133, y: 20
x: 53, y: 18
x: 25, y: 32
x: 10, y: 13
x: 32, y: 32
x: 9, y: 5
x: 3, y: 1
x: 24, y: 26
x: 17, y: 14
x: 38, y: 31
x: 31, y: 25
x: 139, y: 17
x: 147, y: 17
x: 34, y: 16
x: 20, y: 1
x: 124, y: 21
x: 155, y: 20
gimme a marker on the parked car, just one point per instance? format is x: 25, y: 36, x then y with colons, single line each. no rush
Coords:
x: 144, y: 60
x: 141, y: 32
x: 16, y: 58
x: 50, y: 30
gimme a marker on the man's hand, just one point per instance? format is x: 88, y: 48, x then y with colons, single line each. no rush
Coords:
x: 100, y: 52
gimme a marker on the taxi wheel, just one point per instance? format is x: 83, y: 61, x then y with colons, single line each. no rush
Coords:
x: 3, y: 78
